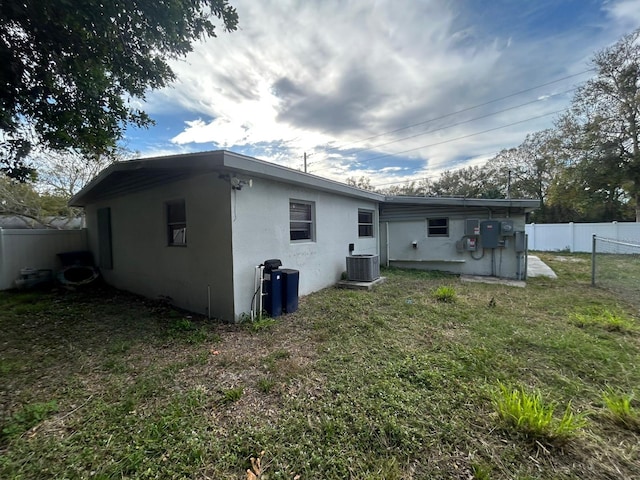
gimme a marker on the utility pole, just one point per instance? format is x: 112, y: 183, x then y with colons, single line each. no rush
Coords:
x: 305, y: 162
x: 509, y: 184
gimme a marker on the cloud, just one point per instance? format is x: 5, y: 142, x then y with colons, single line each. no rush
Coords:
x: 330, y: 78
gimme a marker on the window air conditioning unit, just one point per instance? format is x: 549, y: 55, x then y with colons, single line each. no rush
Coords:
x: 363, y: 268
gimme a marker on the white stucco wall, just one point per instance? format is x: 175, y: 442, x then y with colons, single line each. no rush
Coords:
x: 36, y: 249
x: 143, y: 263
x: 260, y: 218
x: 440, y: 253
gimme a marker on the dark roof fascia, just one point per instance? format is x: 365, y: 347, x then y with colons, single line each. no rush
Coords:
x: 224, y: 162
x: 526, y: 204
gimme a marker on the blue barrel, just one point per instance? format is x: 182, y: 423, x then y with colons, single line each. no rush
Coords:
x: 272, y: 300
x: 290, y: 282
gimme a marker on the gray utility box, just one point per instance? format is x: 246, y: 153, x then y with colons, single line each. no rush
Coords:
x: 363, y: 268
x: 490, y: 233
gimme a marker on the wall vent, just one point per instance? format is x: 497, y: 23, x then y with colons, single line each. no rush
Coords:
x: 363, y: 268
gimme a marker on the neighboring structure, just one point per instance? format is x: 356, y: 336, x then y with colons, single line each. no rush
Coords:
x: 458, y: 235
x: 194, y: 227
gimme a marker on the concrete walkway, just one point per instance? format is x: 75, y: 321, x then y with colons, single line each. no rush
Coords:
x: 537, y: 268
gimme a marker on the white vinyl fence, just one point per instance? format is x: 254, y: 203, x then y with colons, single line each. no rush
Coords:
x: 577, y: 237
x: 35, y: 249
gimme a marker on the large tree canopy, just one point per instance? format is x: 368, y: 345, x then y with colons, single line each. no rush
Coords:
x: 70, y: 69
x: 604, y: 122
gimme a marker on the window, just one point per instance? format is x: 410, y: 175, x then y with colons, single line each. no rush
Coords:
x: 437, y: 227
x: 177, y: 223
x: 300, y: 221
x: 105, y: 255
x: 365, y: 223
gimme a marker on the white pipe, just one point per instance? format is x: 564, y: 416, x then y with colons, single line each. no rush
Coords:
x: 260, y: 292
x: 208, y: 302
x: 388, y: 249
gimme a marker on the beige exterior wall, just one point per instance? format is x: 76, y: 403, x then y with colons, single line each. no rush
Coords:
x: 143, y: 262
x: 261, y: 231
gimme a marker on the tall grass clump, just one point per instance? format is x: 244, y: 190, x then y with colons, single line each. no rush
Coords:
x: 445, y: 294
x: 620, y: 409
x: 527, y: 413
x: 611, y: 321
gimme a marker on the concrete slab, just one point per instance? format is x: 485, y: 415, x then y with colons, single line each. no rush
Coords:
x: 537, y: 268
x: 493, y: 280
x: 360, y: 285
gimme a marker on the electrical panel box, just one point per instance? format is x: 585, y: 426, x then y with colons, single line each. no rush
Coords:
x: 490, y: 233
x: 506, y: 228
x: 472, y: 226
x: 520, y: 242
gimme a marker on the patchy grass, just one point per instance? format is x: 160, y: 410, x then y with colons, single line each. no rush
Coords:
x: 386, y: 384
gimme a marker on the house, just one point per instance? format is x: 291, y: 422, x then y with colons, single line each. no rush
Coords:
x: 194, y: 227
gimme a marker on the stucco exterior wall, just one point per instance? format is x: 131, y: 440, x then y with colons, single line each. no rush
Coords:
x: 440, y: 253
x: 144, y: 263
x: 260, y: 218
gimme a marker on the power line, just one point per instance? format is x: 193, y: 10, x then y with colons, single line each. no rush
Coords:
x: 463, y: 122
x: 342, y: 147
x: 465, y: 136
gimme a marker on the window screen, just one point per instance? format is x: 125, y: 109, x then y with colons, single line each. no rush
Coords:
x: 300, y: 221
x: 438, y: 227
x: 365, y: 223
x: 177, y: 223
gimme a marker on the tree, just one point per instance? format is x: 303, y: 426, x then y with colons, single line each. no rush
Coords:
x: 533, y: 167
x: 363, y: 183
x: 469, y: 182
x: 70, y: 70
x: 65, y: 173
x: 606, y: 114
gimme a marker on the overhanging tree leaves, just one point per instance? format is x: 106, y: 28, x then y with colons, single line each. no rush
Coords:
x: 70, y: 69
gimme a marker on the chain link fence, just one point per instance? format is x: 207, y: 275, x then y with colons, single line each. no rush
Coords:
x: 615, y: 266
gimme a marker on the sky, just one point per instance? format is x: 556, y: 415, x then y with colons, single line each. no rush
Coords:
x: 392, y: 90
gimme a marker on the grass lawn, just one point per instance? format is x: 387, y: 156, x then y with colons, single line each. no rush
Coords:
x: 411, y: 380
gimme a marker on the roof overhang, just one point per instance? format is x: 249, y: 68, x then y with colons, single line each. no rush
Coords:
x: 527, y: 205
x: 134, y: 175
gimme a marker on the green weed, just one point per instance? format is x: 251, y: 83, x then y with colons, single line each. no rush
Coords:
x: 265, y: 323
x: 27, y: 417
x: 611, y: 321
x: 527, y: 413
x: 620, y: 408
x: 445, y: 293
x: 265, y: 385
x: 232, y: 395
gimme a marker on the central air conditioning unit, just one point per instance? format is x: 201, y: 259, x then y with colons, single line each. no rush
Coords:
x: 363, y: 268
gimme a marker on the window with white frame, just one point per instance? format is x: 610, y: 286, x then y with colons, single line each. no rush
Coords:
x: 176, y: 223
x: 301, y: 220
x: 365, y: 223
x: 437, y: 227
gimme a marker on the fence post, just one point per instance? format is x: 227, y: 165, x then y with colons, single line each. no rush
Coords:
x: 593, y: 260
